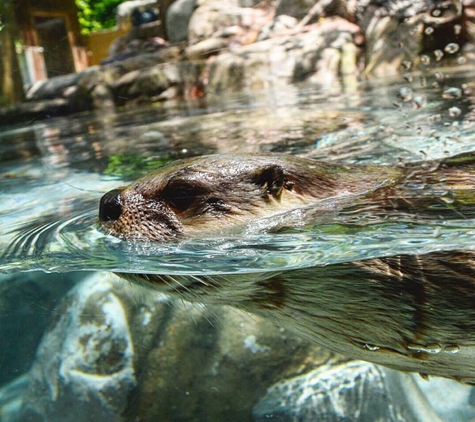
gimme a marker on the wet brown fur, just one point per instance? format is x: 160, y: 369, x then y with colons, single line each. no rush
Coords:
x: 409, y: 312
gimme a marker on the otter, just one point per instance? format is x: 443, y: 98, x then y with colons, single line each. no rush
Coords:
x: 408, y: 312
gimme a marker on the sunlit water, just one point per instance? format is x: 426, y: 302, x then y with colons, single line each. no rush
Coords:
x: 55, y: 171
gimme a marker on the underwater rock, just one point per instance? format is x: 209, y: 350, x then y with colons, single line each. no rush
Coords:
x: 119, y: 353
x: 27, y: 304
x: 213, y: 363
x: 361, y: 391
x: 83, y: 369
x: 353, y: 391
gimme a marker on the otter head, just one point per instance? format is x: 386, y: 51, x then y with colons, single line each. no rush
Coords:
x: 204, y: 194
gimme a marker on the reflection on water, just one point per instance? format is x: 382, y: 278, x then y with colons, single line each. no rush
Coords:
x: 54, y: 172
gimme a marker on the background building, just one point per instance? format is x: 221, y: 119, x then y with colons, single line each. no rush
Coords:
x: 39, y: 39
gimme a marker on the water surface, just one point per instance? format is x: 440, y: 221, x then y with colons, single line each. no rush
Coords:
x: 54, y: 172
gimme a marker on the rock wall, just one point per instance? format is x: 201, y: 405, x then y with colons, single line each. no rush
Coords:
x: 227, y: 46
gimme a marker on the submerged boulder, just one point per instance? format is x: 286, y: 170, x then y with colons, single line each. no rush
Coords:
x: 119, y: 353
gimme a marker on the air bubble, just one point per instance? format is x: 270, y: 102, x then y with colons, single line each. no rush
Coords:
x: 452, y: 48
x: 429, y: 30
x: 432, y: 349
x: 447, y: 199
x: 419, y: 101
x: 466, y: 89
x: 454, y: 112
x: 425, y: 60
x: 438, y: 54
x: 435, y: 118
x: 452, y: 93
x: 452, y: 349
x: 414, y: 347
x: 436, y: 13
x: 371, y: 347
x: 405, y: 94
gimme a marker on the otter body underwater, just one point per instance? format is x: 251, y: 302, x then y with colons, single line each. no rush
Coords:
x: 408, y: 312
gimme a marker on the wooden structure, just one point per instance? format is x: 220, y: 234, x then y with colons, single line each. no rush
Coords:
x: 52, y: 40
x: 40, y: 39
x: 45, y: 37
x: 98, y: 44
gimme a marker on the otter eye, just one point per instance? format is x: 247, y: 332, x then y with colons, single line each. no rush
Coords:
x: 181, y: 198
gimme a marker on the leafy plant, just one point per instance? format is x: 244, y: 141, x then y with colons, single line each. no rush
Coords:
x: 129, y: 166
x: 96, y: 15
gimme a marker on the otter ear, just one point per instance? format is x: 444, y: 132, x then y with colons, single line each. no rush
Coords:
x: 270, y: 179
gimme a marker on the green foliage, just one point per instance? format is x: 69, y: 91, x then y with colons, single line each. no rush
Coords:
x: 130, y: 166
x: 96, y: 15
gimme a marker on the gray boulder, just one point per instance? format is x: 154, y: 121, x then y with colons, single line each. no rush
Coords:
x: 177, y: 20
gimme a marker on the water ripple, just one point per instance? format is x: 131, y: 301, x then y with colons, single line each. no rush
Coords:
x: 76, y: 243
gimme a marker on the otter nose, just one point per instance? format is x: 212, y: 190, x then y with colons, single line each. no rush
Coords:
x: 110, y: 207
